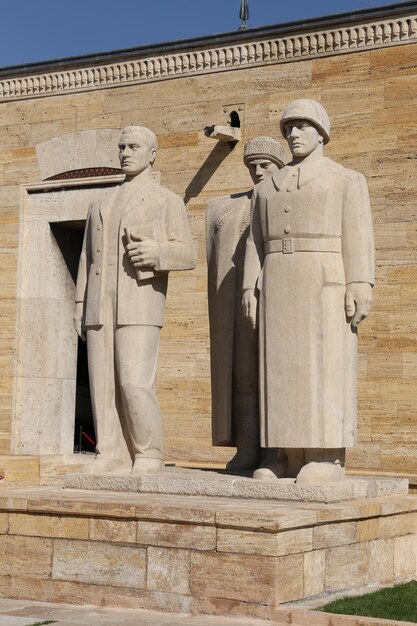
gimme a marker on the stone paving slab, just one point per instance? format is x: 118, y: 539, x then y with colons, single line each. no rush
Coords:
x: 190, y: 482
x: 26, y: 613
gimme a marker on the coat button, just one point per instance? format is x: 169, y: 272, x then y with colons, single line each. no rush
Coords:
x: 290, y: 188
x: 287, y: 230
x: 287, y: 208
x: 98, y: 272
x: 98, y: 250
x: 99, y: 227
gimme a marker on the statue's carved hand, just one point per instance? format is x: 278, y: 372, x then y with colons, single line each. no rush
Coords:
x: 250, y: 304
x: 142, y: 251
x: 78, y: 321
x: 358, y: 301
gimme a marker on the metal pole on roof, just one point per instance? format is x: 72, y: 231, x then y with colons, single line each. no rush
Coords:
x: 244, y: 14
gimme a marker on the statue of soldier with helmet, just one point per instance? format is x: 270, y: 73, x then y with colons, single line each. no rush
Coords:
x: 308, y: 277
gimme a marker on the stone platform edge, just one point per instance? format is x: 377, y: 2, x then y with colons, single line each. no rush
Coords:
x: 189, y: 482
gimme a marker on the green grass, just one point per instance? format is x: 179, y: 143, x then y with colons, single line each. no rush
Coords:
x: 397, y: 603
x: 49, y: 621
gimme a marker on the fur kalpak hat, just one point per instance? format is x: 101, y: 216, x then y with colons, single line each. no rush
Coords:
x: 264, y: 148
x: 309, y: 110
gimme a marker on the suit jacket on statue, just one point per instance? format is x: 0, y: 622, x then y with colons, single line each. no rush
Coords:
x: 150, y: 210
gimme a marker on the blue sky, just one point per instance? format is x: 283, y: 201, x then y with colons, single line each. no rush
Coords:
x: 41, y: 30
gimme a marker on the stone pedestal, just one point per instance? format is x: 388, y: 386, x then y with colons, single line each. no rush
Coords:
x: 215, y: 555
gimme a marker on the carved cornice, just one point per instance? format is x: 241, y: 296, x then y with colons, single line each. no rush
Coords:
x: 189, y: 61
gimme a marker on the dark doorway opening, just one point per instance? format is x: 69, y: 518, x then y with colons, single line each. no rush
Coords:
x: 69, y: 237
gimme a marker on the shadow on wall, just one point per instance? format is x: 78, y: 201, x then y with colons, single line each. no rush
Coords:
x: 220, y: 151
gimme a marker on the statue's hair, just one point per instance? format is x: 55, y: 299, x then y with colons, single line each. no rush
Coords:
x: 147, y: 133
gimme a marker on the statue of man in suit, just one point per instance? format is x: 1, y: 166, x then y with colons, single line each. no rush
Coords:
x: 131, y: 242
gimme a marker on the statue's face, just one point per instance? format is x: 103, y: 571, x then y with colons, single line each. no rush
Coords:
x: 303, y: 138
x: 261, y: 168
x: 135, y: 153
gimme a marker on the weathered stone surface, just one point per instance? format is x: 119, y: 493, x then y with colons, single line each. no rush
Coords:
x: 264, y: 544
x: 346, y: 567
x: 4, y: 523
x: 168, y: 569
x: 381, y: 561
x: 23, y: 554
x: 48, y: 526
x: 405, y: 556
x: 314, y: 572
x: 112, y: 530
x: 254, y: 579
x: 195, y: 482
x: 396, y: 525
x: 277, y: 517
x: 332, y: 535
x: 99, y: 564
x: 176, y: 535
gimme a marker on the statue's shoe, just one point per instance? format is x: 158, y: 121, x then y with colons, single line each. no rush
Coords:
x: 243, y: 461
x: 271, y: 471
x: 105, y: 465
x: 320, y: 473
x: 145, y: 465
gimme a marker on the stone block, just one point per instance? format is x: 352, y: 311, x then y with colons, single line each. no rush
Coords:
x: 93, y: 506
x: 331, y: 535
x: 396, y: 525
x: 405, y: 557
x: 273, y: 518
x: 346, y: 567
x: 349, y: 510
x: 98, y: 563
x: 381, y: 561
x: 4, y: 523
x: 264, y: 544
x: 112, y: 530
x: 176, y: 509
x: 326, y: 71
x: 314, y: 573
x: 367, y: 530
x: 18, y: 469
x: 248, y: 578
x: 399, y: 504
x: 22, y: 556
x: 168, y: 569
x: 396, y: 61
x: 48, y: 526
x: 176, y: 535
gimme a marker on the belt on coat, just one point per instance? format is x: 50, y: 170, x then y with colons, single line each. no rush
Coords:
x: 304, y: 244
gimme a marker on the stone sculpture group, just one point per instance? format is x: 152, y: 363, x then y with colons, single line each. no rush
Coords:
x: 290, y: 276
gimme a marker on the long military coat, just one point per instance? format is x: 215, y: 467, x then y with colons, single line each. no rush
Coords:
x: 311, y: 234
x: 153, y: 211
x: 227, y: 229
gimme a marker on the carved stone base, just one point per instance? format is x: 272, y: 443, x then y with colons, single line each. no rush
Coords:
x: 204, y: 483
x: 204, y: 555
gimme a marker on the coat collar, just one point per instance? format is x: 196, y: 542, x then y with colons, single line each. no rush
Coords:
x: 304, y: 173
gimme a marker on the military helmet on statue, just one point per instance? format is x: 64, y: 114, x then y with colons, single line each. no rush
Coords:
x: 264, y: 148
x: 310, y: 110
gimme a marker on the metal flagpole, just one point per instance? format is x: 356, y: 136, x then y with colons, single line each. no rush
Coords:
x: 244, y: 14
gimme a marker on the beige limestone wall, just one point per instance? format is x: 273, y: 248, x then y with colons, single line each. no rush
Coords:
x: 371, y: 98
